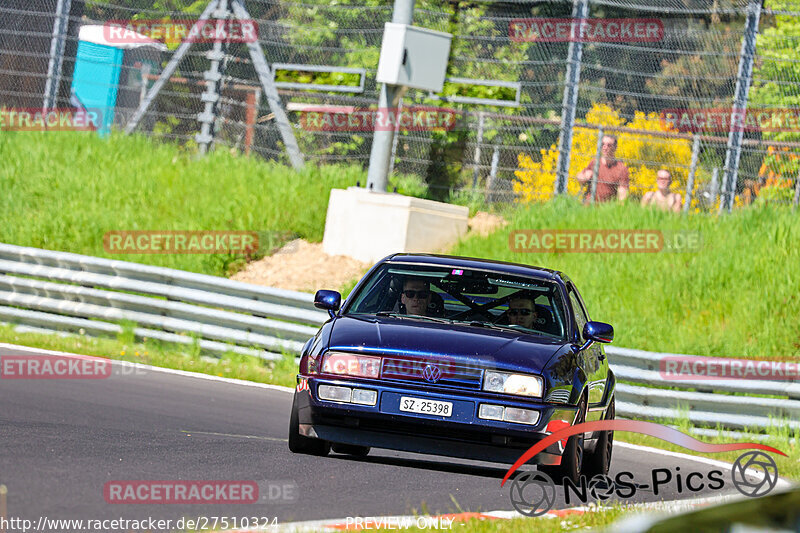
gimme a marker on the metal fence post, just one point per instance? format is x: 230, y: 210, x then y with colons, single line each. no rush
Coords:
x: 692, y: 172
x: 796, y: 192
x: 714, y: 186
x: 210, y: 96
x: 596, y: 173
x: 395, y: 140
x: 580, y: 10
x: 60, y: 25
x: 492, y: 174
x: 743, y: 81
x: 390, y: 95
x: 478, y: 140
x: 722, y: 194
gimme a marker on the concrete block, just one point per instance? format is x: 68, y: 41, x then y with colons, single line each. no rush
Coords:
x: 368, y: 226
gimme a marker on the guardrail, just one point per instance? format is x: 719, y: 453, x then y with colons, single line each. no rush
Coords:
x: 93, y: 295
x: 59, y: 291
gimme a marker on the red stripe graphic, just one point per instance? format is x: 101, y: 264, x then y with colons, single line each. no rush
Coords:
x: 635, y: 426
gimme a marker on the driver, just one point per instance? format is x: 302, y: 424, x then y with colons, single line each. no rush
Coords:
x: 416, y: 296
x: 521, y: 311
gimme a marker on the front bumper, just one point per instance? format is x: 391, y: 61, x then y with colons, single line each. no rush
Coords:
x: 461, y: 435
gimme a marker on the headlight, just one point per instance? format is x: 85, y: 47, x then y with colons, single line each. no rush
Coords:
x: 348, y: 364
x: 518, y: 384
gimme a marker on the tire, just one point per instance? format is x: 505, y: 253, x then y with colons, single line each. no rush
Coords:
x: 350, y: 449
x: 572, y: 458
x: 301, y: 444
x: 599, y: 461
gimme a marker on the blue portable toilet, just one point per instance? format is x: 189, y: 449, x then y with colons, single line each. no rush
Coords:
x: 110, y: 76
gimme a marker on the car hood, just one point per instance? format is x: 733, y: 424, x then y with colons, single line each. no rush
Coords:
x: 406, y: 337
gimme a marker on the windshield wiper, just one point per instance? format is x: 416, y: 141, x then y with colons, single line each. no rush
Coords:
x: 421, y: 317
x: 479, y: 324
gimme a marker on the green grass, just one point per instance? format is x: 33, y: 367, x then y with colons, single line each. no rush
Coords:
x: 738, y: 296
x: 64, y: 190
x: 598, y: 517
x: 167, y: 355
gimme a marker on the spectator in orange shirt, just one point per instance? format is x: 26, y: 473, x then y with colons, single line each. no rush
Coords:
x: 614, y: 179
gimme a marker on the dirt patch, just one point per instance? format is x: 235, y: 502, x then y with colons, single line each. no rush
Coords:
x: 484, y: 223
x: 303, y: 266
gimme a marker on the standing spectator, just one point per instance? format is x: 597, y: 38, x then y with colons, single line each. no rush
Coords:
x: 665, y: 200
x: 614, y: 179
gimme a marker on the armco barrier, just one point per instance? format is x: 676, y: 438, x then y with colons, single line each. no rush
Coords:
x: 57, y: 291
x: 86, y: 293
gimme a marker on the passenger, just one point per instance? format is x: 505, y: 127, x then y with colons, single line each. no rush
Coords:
x: 416, y: 296
x: 522, y: 311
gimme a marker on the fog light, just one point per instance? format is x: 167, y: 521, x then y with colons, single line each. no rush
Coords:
x: 521, y: 416
x: 365, y: 396
x: 490, y: 412
x: 334, y: 393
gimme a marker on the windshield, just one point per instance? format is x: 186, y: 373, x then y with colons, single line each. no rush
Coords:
x: 476, y: 298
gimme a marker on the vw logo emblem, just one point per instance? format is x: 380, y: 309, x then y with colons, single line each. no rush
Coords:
x: 432, y: 373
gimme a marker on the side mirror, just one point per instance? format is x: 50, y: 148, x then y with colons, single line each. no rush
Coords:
x: 598, y: 331
x: 329, y: 300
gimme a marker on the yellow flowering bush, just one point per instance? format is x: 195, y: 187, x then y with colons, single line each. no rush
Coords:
x: 643, y: 154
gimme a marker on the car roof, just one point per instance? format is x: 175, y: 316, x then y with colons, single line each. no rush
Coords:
x: 480, y: 264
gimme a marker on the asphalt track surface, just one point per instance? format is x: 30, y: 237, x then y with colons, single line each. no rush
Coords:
x: 62, y: 440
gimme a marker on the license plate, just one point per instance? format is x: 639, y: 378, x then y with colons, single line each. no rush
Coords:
x: 425, y: 407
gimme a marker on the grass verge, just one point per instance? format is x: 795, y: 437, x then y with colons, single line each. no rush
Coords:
x: 64, y: 191
x: 598, y: 517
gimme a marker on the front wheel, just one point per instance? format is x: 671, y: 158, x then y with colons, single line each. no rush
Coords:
x: 572, y: 458
x: 599, y: 461
x: 300, y: 443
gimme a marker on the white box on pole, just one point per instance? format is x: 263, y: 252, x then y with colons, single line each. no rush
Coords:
x: 413, y: 57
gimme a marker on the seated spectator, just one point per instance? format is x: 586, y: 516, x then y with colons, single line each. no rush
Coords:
x: 662, y: 198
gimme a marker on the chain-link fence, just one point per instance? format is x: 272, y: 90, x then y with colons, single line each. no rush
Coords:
x: 536, y: 86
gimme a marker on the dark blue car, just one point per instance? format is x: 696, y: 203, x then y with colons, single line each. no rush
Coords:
x: 458, y: 357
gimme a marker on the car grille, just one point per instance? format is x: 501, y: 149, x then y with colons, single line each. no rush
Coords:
x: 451, y: 374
